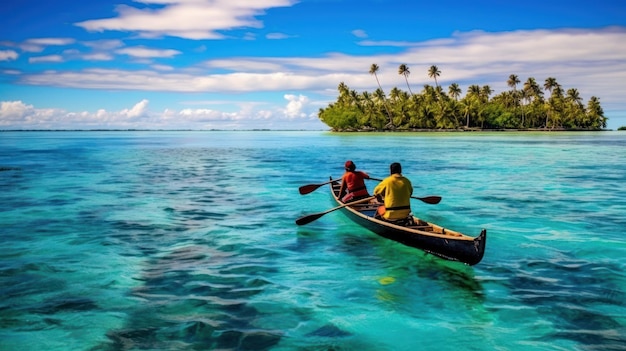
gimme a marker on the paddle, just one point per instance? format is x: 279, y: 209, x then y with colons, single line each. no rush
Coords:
x: 305, y: 189
x: 310, y: 218
x: 433, y: 200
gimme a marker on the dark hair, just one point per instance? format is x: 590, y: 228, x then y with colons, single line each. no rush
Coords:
x: 395, y: 168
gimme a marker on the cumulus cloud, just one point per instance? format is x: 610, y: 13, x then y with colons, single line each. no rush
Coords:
x: 190, y: 19
x: 14, y: 110
x: 18, y: 115
x: 295, y: 106
x: 139, y: 110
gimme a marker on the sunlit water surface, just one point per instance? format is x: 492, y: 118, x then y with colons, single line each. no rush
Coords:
x: 187, y: 241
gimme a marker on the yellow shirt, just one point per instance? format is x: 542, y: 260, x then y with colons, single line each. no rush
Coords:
x: 397, y: 191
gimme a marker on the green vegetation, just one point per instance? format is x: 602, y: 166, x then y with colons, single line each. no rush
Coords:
x: 433, y: 108
x: 622, y: 128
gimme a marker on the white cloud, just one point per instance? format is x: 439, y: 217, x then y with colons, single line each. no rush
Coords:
x: 191, y: 19
x: 593, y: 61
x: 277, y: 36
x: 14, y: 110
x: 359, y: 33
x: 39, y: 44
x: 144, y: 52
x: 162, y: 67
x: 48, y: 58
x: 51, y: 41
x: 104, y: 45
x: 97, y: 56
x: 8, y: 55
x: 139, y: 110
x: 295, y: 106
x: 18, y: 115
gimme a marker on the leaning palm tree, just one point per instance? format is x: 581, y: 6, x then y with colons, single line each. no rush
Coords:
x: 404, y: 70
x: 434, y: 72
x: 373, y: 69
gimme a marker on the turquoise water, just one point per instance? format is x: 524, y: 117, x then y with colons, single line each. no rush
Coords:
x: 187, y: 241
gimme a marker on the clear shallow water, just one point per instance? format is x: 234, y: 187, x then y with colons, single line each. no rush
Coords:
x: 186, y: 240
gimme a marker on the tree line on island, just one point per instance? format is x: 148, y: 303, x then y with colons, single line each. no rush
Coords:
x: 522, y: 107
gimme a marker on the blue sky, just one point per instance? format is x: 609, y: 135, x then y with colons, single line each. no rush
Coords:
x: 243, y: 64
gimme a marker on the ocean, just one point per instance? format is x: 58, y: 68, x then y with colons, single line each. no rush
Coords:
x: 186, y: 240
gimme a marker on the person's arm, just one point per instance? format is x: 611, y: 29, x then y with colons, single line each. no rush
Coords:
x: 379, y: 191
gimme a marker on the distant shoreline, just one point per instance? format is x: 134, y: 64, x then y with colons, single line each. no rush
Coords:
x: 470, y: 130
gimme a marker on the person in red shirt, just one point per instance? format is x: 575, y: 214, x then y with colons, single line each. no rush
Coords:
x: 353, y: 184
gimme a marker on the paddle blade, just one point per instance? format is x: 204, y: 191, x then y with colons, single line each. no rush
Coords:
x: 433, y: 200
x: 305, y: 189
x: 309, y: 218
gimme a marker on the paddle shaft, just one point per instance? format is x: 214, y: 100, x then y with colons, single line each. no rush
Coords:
x: 310, y: 218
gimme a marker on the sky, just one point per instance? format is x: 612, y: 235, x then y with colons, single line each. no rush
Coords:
x: 272, y: 64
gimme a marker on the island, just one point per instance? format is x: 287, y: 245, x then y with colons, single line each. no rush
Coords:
x: 531, y: 107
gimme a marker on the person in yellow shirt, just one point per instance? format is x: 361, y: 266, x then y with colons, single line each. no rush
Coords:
x: 395, y: 191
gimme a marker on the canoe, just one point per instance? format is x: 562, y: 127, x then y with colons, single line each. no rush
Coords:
x: 428, y: 237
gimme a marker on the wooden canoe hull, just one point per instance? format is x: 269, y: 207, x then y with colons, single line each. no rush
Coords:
x: 428, y: 237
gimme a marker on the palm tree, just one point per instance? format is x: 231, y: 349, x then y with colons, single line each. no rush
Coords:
x: 472, y: 102
x: 434, y: 72
x: 455, y: 91
x: 550, y: 84
x: 473, y: 90
x: 404, y: 70
x: 531, y: 92
x: 595, y: 114
x: 574, y: 96
x: 344, y: 93
x: 512, y: 82
x: 485, y: 92
x: 373, y: 69
x: 576, y: 109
